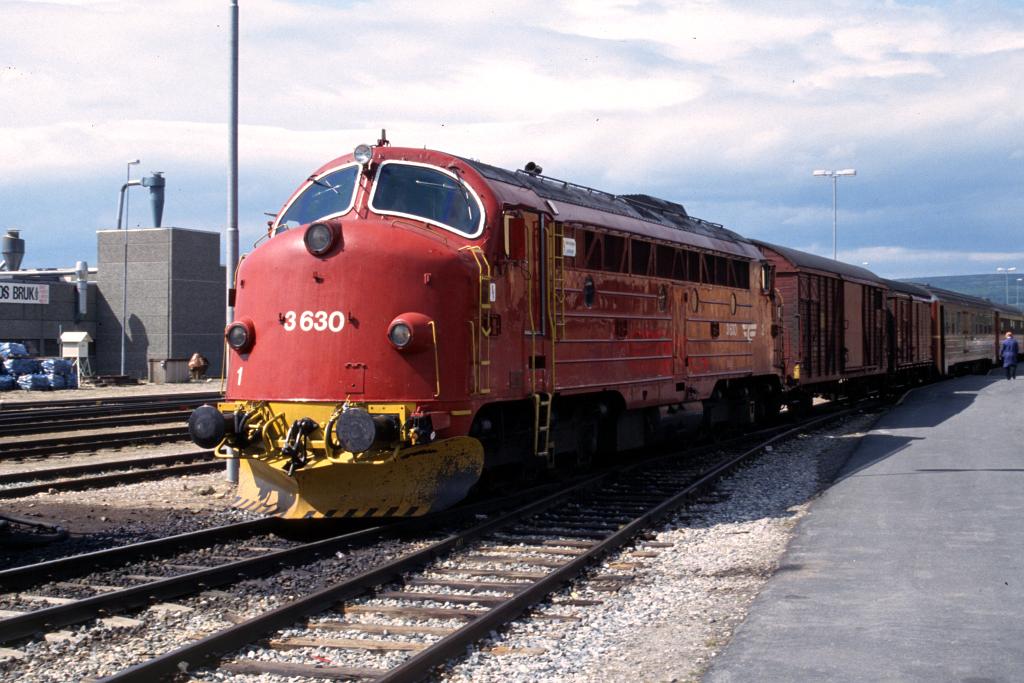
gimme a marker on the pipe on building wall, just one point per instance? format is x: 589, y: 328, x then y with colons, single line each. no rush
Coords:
x: 43, y: 272
x: 82, y: 283
x: 120, y: 200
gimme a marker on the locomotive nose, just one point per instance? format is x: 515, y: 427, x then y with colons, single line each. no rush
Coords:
x: 207, y: 426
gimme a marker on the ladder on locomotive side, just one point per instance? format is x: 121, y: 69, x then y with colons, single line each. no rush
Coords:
x: 480, y: 331
x: 543, y: 446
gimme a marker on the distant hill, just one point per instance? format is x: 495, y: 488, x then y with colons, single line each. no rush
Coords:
x: 991, y: 286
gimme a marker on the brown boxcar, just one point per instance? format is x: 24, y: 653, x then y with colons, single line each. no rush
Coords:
x: 910, y: 329
x: 834, y: 321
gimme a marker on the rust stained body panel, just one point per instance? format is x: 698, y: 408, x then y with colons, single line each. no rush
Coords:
x: 909, y: 308
x: 834, y: 319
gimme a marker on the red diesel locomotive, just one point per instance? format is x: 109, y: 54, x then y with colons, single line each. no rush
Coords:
x: 417, y: 317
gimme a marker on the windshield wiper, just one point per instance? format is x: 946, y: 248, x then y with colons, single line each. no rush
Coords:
x: 332, y: 188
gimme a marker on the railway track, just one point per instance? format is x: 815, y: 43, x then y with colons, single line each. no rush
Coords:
x: 108, y: 473
x: 90, y: 424
x: 10, y: 407
x: 36, y: 418
x: 127, y: 577
x: 458, y: 589
x: 22, y: 448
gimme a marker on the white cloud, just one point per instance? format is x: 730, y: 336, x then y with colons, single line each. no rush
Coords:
x: 726, y: 105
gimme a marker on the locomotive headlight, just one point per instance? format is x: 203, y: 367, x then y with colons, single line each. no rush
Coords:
x: 363, y: 154
x: 240, y: 335
x: 399, y: 334
x: 411, y: 332
x: 319, y: 238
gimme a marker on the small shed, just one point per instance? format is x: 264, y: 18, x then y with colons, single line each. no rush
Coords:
x: 75, y: 344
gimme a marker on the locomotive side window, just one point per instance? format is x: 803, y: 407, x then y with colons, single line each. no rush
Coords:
x: 641, y: 257
x: 614, y: 254
x: 593, y: 250
x: 665, y: 262
x: 429, y: 194
x: 326, y: 196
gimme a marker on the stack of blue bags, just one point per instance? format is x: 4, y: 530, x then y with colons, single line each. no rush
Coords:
x: 60, y: 373
x: 33, y: 374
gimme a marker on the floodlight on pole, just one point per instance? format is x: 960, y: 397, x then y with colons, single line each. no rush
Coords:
x: 834, y: 175
x: 1007, y: 271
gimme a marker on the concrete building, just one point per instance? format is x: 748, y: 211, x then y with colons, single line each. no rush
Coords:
x: 175, y: 300
x: 35, y: 309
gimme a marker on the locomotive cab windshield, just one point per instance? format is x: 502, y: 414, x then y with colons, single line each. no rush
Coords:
x: 328, y: 195
x: 427, y: 193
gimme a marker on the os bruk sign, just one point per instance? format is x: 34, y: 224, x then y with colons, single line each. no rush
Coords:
x: 17, y: 293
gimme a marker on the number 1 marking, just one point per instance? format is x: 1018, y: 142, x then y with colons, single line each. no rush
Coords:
x: 240, y: 376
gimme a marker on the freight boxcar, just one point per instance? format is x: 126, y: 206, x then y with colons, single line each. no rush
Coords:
x: 834, y: 318
x: 911, y: 354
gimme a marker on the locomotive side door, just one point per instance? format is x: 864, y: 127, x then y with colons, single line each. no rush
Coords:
x: 537, y: 239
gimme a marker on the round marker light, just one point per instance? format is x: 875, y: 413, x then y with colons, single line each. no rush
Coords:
x: 319, y: 238
x: 240, y: 335
x: 399, y: 334
x: 363, y: 154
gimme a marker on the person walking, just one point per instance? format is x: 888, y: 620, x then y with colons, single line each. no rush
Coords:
x: 1009, y: 351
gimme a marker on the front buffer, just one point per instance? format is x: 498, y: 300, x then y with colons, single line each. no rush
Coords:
x: 301, y: 470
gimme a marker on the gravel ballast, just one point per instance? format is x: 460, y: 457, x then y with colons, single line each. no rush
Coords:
x: 675, y: 611
x: 683, y: 604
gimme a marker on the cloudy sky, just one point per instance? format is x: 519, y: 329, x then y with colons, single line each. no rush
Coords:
x: 725, y: 107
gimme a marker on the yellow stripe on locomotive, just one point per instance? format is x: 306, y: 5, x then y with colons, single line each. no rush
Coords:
x: 294, y: 464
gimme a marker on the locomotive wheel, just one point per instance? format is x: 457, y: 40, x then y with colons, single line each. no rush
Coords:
x: 587, y: 442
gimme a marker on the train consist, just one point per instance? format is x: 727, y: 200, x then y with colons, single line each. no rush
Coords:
x: 417, y: 319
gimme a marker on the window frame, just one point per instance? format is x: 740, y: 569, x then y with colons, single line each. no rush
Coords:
x: 310, y: 182
x: 444, y: 226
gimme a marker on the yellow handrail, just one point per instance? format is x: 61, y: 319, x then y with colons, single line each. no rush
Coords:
x: 437, y: 361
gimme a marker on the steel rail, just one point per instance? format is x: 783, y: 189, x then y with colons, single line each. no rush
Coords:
x: 23, y: 416
x: 17, y: 578
x: 69, y: 444
x: 72, y: 470
x: 419, y: 665
x: 50, y: 425
x: 213, y: 647
x: 24, y: 625
x: 157, y: 471
x: 106, y: 402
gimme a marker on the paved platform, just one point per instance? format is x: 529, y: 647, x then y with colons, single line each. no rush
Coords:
x: 911, y: 566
